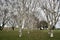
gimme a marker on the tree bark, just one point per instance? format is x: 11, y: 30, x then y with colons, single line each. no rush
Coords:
x: 21, y: 28
x: 51, y: 34
x: 50, y: 31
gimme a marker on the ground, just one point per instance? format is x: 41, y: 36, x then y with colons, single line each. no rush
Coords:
x: 34, y: 35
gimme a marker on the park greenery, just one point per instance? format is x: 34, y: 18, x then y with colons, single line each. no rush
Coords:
x: 36, y: 19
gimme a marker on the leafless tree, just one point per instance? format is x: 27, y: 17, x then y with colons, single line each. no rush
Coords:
x: 25, y: 16
x: 4, y: 17
x: 27, y: 12
x: 51, y: 11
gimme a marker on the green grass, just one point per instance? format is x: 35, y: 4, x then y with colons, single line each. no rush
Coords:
x: 34, y: 35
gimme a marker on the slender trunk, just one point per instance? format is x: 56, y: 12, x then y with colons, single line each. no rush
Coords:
x: 50, y: 31
x: 23, y: 22
x: 51, y: 34
x: 20, y: 32
x: 21, y: 28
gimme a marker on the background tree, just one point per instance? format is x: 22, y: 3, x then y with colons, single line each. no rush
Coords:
x: 51, y: 11
x: 30, y: 12
x: 43, y: 24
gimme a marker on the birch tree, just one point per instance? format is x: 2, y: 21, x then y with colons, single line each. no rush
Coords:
x: 5, y: 18
x: 27, y: 15
x: 51, y: 11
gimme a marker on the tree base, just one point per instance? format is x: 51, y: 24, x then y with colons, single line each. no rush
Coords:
x: 20, y: 35
x: 51, y: 35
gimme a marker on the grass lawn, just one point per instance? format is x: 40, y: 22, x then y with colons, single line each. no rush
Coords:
x: 34, y: 35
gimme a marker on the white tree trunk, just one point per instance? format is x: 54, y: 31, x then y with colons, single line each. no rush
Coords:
x: 51, y: 34
x: 20, y: 32
x: 23, y: 22
x: 50, y: 31
x: 21, y: 28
